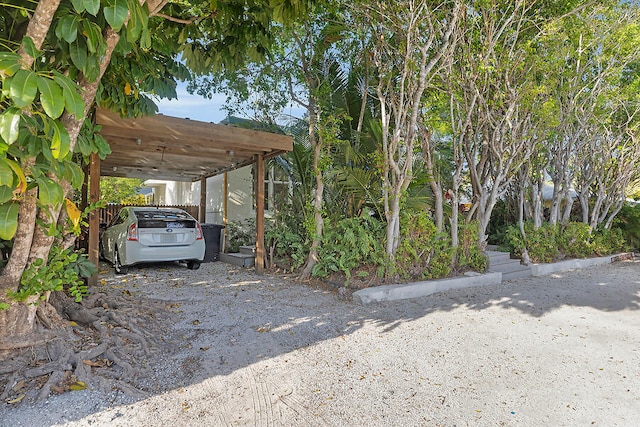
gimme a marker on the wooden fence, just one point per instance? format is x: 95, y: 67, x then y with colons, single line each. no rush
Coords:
x: 110, y: 210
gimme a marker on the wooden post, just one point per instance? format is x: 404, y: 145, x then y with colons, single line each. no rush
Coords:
x: 260, y: 215
x: 202, y: 215
x: 225, y: 213
x: 94, y: 218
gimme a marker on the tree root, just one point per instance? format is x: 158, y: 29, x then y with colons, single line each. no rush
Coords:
x: 108, y: 342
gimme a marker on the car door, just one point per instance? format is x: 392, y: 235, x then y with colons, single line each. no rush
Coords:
x: 114, y: 234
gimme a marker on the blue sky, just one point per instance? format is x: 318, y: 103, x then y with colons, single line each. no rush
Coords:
x: 194, y: 107
x: 198, y: 108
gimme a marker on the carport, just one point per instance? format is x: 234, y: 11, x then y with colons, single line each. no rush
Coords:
x: 171, y: 148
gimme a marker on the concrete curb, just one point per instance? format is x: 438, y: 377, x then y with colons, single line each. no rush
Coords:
x: 572, y: 264
x: 420, y: 289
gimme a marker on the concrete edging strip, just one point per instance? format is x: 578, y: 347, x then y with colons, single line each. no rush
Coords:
x: 570, y: 264
x: 421, y: 289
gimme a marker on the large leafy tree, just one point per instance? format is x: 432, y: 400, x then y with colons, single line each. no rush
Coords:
x: 56, y: 61
x: 410, y: 41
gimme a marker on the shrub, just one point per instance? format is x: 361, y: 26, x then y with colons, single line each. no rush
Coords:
x: 606, y: 242
x: 628, y: 221
x: 540, y: 242
x: 422, y: 252
x: 348, y: 244
x: 285, y: 247
x: 64, y: 270
x: 469, y: 256
x: 240, y: 233
x: 574, y: 240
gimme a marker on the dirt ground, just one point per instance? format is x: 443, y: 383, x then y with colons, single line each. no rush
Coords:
x: 268, y: 351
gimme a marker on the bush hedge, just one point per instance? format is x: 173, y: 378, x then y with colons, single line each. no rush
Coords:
x: 549, y: 243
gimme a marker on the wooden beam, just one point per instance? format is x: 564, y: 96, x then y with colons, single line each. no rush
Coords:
x: 202, y: 216
x: 94, y: 219
x: 260, y: 214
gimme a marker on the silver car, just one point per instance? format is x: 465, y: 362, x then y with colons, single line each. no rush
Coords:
x: 146, y: 234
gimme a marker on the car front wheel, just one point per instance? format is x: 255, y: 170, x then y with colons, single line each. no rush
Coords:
x: 193, y: 265
x: 117, y: 264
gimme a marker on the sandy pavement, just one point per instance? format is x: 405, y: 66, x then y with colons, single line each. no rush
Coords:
x: 267, y: 351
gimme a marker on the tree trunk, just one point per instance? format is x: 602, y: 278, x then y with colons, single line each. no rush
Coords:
x: 18, y: 323
x: 525, y: 254
x: 536, y: 200
x: 316, y: 143
x: 393, y: 227
x: 436, y: 188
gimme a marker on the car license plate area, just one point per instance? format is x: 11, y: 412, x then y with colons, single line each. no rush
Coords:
x: 168, y: 238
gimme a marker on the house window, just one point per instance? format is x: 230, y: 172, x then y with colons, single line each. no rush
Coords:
x: 278, y: 188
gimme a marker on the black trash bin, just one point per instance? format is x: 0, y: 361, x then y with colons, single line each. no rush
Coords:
x: 212, y: 238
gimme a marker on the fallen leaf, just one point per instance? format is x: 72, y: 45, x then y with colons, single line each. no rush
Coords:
x: 17, y: 399
x: 58, y: 389
x: 264, y: 328
x: 78, y: 385
x: 72, y: 323
x: 19, y: 385
x: 196, y: 322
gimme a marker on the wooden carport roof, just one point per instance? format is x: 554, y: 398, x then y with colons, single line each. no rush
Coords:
x: 164, y: 147
x: 171, y: 148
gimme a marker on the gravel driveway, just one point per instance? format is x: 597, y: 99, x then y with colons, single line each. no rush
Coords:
x: 267, y: 351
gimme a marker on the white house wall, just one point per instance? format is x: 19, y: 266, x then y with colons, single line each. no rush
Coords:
x: 172, y: 192
x: 240, y: 199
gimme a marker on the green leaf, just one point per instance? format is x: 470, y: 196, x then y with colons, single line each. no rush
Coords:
x: 22, y: 179
x: 51, y: 97
x: 74, y: 174
x: 78, y: 52
x: 61, y: 142
x: 50, y: 193
x: 138, y: 21
x: 6, y: 193
x: 78, y: 5
x: 8, y: 220
x: 72, y: 99
x: 9, y: 63
x: 30, y: 47
x: 116, y: 13
x: 6, y: 174
x: 92, y: 70
x: 145, y: 40
x: 10, y: 125
x: 103, y: 147
x: 67, y: 28
x: 93, y: 34
x: 23, y: 88
x: 92, y: 6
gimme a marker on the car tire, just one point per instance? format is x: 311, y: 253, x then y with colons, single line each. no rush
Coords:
x: 117, y: 264
x: 193, y: 265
